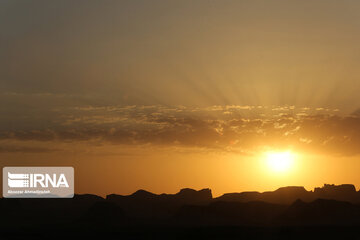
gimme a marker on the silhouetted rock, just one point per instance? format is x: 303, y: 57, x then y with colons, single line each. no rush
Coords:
x: 188, y: 195
x: 321, y: 212
x: 230, y: 213
x: 344, y: 192
x: 283, y: 207
x: 10, y: 210
x: 87, y: 198
x: 142, y: 195
x: 145, y: 205
x: 287, y: 195
x: 240, y: 197
x: 105, y: 213
x: 284, y: 195
x: 185, y: 195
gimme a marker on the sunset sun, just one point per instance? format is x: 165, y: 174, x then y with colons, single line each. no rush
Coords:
x: 279, y: 161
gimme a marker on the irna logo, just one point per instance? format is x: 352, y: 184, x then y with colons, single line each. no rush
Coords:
x: 19, y: 180
x: 38, y: 182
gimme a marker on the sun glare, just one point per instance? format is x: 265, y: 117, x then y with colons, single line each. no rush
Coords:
x: 280, y: 161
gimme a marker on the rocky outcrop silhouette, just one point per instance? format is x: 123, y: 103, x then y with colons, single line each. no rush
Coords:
x: 185, y: 195
x: 344, y: 192
x: 328, y: 205
x: 287, y: 195
x: 230, y: 213
x: 284, y: 195
x: 321, y: 212
x: 143, y: 204
x: 104, y: 212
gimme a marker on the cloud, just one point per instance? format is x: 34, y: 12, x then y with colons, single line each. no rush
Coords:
x: 229, y: 128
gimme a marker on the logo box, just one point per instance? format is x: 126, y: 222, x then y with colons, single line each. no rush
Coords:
x: 38, y: 182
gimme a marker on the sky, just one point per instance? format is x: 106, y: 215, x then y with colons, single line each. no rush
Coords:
x: 162, y: 95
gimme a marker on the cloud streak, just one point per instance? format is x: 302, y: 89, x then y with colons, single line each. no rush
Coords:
x: 227, y: 128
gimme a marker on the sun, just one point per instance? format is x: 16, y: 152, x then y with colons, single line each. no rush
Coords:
x: 280, y: 161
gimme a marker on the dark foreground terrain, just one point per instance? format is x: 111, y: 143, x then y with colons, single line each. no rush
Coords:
x: 330, y: 212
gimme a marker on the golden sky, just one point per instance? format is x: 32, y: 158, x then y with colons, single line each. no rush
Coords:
x: 163, y: 95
